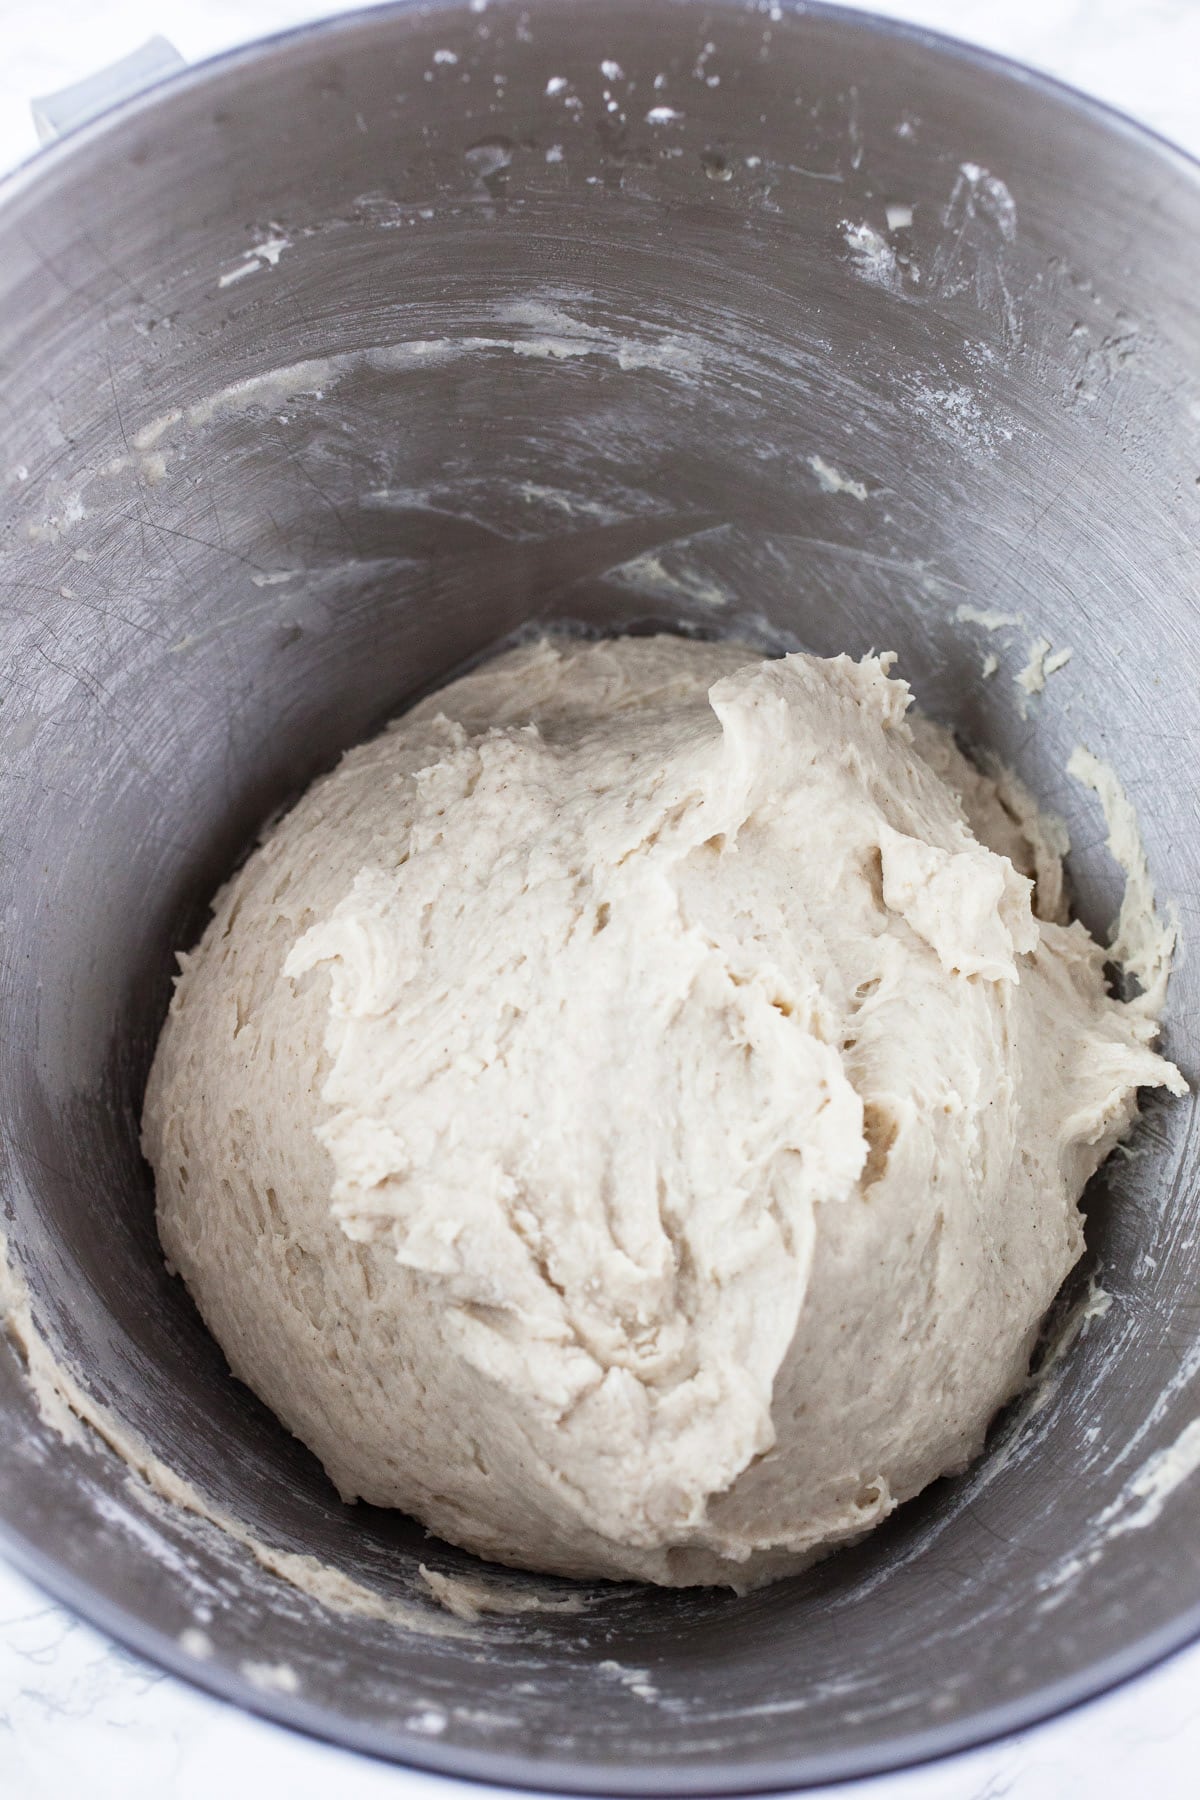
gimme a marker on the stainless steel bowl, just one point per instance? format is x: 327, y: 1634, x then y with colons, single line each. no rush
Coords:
x: 566, y: 300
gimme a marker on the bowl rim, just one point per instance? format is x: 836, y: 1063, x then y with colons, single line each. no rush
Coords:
x: 890, y: 1754
x: 974, y: 1730
x: 75, y: 140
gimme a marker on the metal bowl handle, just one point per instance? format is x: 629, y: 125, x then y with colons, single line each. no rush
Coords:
x: 56, y: 114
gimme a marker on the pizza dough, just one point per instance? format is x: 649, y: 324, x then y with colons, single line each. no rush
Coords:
x: 631, y: 1114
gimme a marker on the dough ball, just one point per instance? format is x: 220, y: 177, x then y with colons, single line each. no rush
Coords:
x: 631, y: 1114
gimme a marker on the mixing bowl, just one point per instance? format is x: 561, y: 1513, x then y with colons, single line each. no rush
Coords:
x: 326, y: 366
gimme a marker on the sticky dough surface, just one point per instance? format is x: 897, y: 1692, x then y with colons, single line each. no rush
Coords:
x: 631, y: 1114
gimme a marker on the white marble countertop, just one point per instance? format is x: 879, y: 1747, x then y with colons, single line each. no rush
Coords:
x: 83, y: 1717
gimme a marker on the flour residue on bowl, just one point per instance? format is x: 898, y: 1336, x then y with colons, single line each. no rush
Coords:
x: 872, y: 258
x: 535, y: 330
x: 263, y: 255
x: 1139, y: 1504
x: 271, y: 1677
x: 830, y: 480
x: 668, y: 575
x: 979, y: 228
x: 991, y: 621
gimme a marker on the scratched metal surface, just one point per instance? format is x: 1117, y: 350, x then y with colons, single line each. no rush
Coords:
x: 334, y: 364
